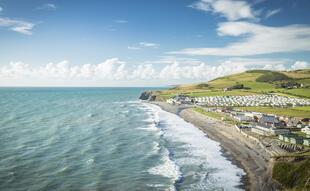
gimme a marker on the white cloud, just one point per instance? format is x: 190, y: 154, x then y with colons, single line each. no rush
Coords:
x: 300, y: 65
x: 1, y: 9
x: 142, y: 45
x: 274, y: 67
x: 149, y: 44
x: 133, y: 48
x: 121, y: 21
x: 47, y: 6
x: 272, y: 12
x: 110, y: 69
x: 172, y: 59
x: 113, y: 71
x: 231, y: 10
x: 19, y: 26
x: 257, y: 39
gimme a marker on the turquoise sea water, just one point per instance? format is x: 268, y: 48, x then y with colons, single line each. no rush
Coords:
x: 103, y: 139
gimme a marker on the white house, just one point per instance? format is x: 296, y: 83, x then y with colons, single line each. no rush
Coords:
x: 170, y: 101
x: 243, y: 117
x: 306, y: 130
x: 267, y: 131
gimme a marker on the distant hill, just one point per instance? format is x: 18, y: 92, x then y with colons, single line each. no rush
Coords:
x: 289, y: 83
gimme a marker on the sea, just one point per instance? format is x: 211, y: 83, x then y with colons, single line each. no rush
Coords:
x: 104, y: 139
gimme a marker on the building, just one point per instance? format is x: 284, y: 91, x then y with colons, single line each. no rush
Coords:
x: 180, y: 99
x: 285, y: 137
x: 268, y: 131
x: 292, y: 122
x: 251, y: 100
x: 306, y: 130
x: 242, y: 117
x: 170, y: 101
x: 268, y: 120
x: 296, y: 140
x: 305, y: 121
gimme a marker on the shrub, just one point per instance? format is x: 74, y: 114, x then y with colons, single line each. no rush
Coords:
x: 292, y: 174
x: 202, y: 85
x: 272, y: 77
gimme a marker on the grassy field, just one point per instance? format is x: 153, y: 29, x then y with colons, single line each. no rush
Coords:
x: 293, y: 175
x: 299, y: 92
x: 215, y: 115
x: 301, y: 112
x: 298, y: 73
x: 250, y: 81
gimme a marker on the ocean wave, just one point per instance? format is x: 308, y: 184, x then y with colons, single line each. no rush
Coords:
x: 90, y: 161
x: 151, y: 127
x: 200, y: 156
x: 167, y: 168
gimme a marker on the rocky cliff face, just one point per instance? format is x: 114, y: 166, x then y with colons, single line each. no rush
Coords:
x: 148, y: 96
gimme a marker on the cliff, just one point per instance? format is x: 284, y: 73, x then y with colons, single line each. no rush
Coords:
x: 148, y: 96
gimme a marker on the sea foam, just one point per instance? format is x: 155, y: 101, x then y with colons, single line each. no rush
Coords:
x: 200, y: 157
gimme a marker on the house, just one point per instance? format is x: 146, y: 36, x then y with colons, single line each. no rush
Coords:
x: 292, y: 122
x: 297, y: 140
x: 306, y: 130
x: 285, y: 138
x: 281, y: 124
x: 227, y: 89
x: 305, y: 121
x: 242, y: 117
x: 294, y: 139
x: 268, y: 120
x: 180, y: 99
x: 170, y: 101
x: 300, y: 125
x: 262, y: 129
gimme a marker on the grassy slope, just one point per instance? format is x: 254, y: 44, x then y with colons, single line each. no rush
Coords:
x: 248, y: 79
x: 215, y: 115
x: 293, y: 175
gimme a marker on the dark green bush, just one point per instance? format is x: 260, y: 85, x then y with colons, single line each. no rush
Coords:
x: 293, y: 175
x: 272, y: 77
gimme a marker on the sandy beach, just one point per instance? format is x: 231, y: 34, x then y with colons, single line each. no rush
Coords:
x: 244, y: 152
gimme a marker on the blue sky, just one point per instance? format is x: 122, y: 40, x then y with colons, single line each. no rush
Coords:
x: 147, y: 42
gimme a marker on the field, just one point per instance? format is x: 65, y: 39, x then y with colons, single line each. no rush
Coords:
x: 215, y: 115
x: 302, y: 112
x: 253, y: 82
x: 299, y: 92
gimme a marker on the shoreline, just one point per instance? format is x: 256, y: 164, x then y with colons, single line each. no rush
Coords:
x: 241, y: 151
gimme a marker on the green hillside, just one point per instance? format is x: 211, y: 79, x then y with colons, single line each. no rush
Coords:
x: 287, y: 83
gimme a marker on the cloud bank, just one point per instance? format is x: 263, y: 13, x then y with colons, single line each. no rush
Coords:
x: 173, y: 71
